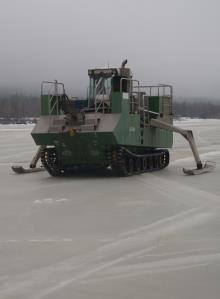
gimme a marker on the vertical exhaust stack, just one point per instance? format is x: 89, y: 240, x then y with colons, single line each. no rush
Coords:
x: 124, y: 62
x: 125, y: 77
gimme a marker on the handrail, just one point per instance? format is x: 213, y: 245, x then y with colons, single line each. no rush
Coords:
x: 131, y: 80
x: 96, y: 87
x: 50, y: 82
x: 159, y: 86
x: 161, y: 90
x: 102, y: 92
x: 131, y: 91
x: 51, y: 108
x: 147, y: 91
x: 55, y: 94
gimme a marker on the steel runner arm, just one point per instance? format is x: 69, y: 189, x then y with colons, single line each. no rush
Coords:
x: 36, y: 157
x: 187, y: 134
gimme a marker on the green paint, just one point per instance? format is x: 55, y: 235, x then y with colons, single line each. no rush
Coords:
x: 116, y: 102
x: 80, y: 148
x: 44, y: 105
x: 90, y: 147
x: 156, y: 104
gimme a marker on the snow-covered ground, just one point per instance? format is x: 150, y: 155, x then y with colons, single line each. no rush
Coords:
x: 155, y: 235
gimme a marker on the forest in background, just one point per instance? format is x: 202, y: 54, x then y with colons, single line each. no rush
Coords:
x: 204, y: 109
x: 15, y: 107
x: 19, y: 106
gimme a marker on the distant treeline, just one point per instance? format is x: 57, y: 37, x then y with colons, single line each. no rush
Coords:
x: 196, y: 109
x: 20, y: 106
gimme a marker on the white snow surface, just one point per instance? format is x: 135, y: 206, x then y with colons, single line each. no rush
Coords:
x: 155, y: 235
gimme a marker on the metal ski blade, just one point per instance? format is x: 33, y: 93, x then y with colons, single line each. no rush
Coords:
x: 207, y: 167
x: 22, y: 170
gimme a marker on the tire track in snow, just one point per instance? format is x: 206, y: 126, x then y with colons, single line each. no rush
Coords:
x: 47, y: 280
x: 129, y: 245
x: 156, y: 267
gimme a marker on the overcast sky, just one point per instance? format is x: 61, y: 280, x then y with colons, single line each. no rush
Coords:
x: 165, y: 41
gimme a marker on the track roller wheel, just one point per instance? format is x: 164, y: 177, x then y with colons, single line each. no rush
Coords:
x: 130, y: 166
x: 150, y: 163
x: 49, y: 160
x: 164, y: 159
x: 138, y: 165
x: 144, y: 164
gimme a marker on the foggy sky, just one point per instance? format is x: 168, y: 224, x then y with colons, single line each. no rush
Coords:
x: 165, y: 41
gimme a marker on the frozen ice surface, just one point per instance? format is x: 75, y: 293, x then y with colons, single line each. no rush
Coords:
x: 155, y: 235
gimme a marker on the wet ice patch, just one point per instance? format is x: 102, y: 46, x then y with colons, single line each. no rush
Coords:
x: 49, y: 240
x: 195, y: 120
x: 132, y: 203
x: 61, y: 200
x: 50, y: 200
x: 37, y: 240
x: 44, y: 201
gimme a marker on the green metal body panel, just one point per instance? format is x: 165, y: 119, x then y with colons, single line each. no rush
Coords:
x: 156, y: 104
x: 90, y: 147
x: 79, y: 148
x: 158, y: 138
x: 128, y: 130
x: 116, y: 102
x: 84, y: 148
x: 44, y: 105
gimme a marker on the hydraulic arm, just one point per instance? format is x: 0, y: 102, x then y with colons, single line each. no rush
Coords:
x: 188, y: 135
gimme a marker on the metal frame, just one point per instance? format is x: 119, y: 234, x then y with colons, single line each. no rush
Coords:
x: 55, y: 94
x: 98, y: 89
x: 157, y: 90
x: 187, y: 134
x: 131, y: 92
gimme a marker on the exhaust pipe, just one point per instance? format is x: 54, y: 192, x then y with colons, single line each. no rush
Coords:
x: 124, y: 63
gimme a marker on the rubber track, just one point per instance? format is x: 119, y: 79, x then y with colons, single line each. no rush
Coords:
x: 119, y: 159
x: 51, y: 163
x: 49, y: 159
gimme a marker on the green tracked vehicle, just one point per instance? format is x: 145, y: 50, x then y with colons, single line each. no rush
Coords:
x: 122, y: 125
x: 112, y: 128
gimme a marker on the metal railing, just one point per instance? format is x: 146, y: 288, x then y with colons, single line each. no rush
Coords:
x: 101, y: 95
x: 161, y: 90
x: 132, y: 93
x: 54, y: 91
